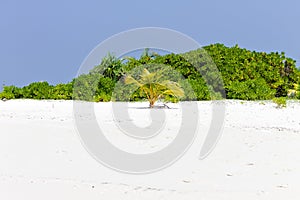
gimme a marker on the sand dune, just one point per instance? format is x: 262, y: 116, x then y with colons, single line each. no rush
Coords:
x: 257, y: 157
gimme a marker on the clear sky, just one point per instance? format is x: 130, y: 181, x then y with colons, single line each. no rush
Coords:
x: 48, y: 40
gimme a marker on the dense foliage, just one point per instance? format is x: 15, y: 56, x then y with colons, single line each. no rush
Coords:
x: 38, y: 90
x: 258, y: 72
x: 244, y: 74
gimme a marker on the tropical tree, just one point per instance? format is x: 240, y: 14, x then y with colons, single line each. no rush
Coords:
x: 155, y: 86
x: 110, y: 67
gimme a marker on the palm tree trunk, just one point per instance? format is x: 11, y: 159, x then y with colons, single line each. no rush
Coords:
x: 151, y: 103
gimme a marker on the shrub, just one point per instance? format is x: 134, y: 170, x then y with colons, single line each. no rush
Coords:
x: 62, y: 91
x: 280, y: 101
x: 250, y: 90
x: 10, y: 92
x: 297, y: 88
x: 240, y: 65
x: 37, y: 90
x: 85, y: 87
x: 104, y: 89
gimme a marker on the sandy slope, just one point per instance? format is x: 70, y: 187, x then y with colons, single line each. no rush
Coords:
x: 41, y: 156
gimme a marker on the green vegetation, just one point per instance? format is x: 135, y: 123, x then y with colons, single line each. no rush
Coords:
x: 154, y: 86
x: 280, y: 101
x: 246, y: 75
x: 266, y: 75
x: 38, y: 90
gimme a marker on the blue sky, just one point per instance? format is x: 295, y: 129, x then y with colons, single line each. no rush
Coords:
x: 48, y: 40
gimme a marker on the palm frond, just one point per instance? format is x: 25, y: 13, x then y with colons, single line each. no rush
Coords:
x: 153, y: 85
x: 130, y: 80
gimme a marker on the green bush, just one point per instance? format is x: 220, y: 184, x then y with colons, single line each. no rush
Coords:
x: 104, y: 89
x: 37, y: 90
x: 297, y: 88
x: 62, y: 91
x: 250, y: 90
x: 10, y: 92
x: 85, y: 87
x: 240, y: 65
x: 280, y: 101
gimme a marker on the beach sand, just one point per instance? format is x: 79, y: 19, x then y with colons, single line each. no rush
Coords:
x: 257, y: 157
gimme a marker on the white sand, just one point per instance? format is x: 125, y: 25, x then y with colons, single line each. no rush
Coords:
x: 41, y: 156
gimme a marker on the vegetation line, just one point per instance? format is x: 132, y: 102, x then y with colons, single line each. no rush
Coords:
x: 247, y: 75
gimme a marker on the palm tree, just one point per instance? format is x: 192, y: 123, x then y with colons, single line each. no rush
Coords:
x: 154, y: 87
